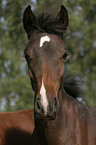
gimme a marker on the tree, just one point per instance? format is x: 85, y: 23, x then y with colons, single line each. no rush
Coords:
x: 15, y: 85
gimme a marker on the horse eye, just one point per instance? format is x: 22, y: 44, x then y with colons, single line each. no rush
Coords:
x: 27, y: 57
x: 64, y: 55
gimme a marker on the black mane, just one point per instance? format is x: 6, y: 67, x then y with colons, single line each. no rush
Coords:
x: 49, y: 23
x: 72, y: 85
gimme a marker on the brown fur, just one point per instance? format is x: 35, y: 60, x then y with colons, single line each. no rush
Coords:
x: 16, y: 127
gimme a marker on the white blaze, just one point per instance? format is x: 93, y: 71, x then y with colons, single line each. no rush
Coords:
x: 44, y: 100
x: 44, y: 39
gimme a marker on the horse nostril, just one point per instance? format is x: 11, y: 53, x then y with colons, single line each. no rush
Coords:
x: 38, y: 103
x: 54, y: 102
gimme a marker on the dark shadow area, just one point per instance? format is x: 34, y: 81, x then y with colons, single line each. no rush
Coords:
x: 15, y: 136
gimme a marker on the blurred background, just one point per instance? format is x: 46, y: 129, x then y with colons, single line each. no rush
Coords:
x: 15, y: 87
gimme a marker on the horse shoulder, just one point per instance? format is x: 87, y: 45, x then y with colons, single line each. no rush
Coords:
x: 92, y: 125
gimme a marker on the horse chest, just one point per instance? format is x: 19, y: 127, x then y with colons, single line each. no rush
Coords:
x: 58, y: 135
x: 60, y: 139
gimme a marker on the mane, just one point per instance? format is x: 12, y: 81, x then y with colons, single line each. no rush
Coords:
x: 49, y: 23
x: 72, y: 85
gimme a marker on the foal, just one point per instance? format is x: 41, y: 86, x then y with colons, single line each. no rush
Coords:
x: 59, y: 118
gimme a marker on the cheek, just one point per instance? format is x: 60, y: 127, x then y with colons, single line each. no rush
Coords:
x: 33, y: 81
x: 60, y: 71
x: 30, y: 73
x: 58, y: 85
x: 60, y: 74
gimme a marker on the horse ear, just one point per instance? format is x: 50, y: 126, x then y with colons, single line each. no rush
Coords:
x: 63, y: 17
x: 29, y: 20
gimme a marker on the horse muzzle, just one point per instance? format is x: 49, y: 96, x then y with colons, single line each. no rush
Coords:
x: 46, y: 110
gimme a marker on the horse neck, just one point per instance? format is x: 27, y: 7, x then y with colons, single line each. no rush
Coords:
x: 71, y: 109
x: 71, y: 118
x: 67, y: 111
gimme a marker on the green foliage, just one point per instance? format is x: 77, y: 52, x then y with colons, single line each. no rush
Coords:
x: 82, y: 29
x: 15, y: 87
